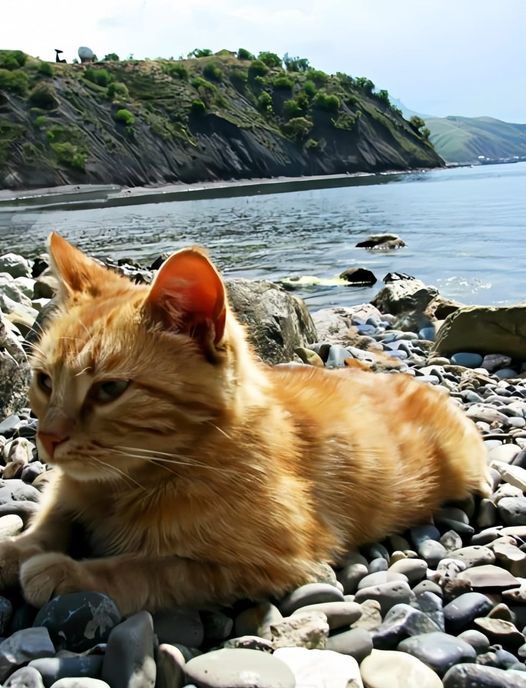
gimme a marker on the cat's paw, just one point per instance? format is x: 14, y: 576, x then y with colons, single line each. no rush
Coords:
x: 12, y: 554
x: 45, y: 576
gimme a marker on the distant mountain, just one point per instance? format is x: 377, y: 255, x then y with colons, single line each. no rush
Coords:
x: 468, y: 139
x: 471, y: 139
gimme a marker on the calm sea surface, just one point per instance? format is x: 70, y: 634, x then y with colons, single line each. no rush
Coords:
x: 465, y: 231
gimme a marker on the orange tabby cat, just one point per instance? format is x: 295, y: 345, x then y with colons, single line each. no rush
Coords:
x: 201, y: 475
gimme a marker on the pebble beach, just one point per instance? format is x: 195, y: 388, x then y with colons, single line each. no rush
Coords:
x: 442, y: 604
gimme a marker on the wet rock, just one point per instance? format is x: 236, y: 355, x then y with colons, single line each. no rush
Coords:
x: 359, y: 277
x: 384, y: 668
x: 129, y: 657
x: 476, y: 639
x: 230, y: 669
x: 403, y: 296
x: 79, y: 620
x: 321, y: 668
x: 400, y: 622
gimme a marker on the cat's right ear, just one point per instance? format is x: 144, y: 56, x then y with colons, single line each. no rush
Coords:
x: 76, y: 273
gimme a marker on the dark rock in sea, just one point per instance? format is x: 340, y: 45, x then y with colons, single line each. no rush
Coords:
x: 277, y: 322
x: 129, y: 657
x: 231, y: 668
x: 77, y: 621
x: 396, y: 277
x: 359, y: 277
x: 54, y: 668
x: 471, y: 675
x: 486, y: 330
x: 381, y: 242
x: 439, y: 651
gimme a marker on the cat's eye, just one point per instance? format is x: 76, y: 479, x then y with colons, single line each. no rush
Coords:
x: 109, y: 390
x: 45, y: 382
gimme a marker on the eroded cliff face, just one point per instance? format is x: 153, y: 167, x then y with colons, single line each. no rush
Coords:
x: 135, y: 123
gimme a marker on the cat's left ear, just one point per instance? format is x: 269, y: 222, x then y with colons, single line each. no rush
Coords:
x: 189, y: 295
x: 77, y: 274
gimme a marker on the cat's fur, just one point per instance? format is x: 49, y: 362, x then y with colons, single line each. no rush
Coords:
x: 213, y: 477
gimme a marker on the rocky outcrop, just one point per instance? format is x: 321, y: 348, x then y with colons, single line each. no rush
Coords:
x: 402, y: 296
x: 485, y: 330
x: 381, y: 242
x: 277, y: 322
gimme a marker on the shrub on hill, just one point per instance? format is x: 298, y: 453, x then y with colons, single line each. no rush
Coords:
x: 200, y: 52
x: 282, y: 82
x: 118, y: 90
x: 317, y: 76
x: 264, y: 102
x: 98, y: 76
x: 45, y: 68
x: 257, y: 68
x: 15, y: 81
x: 298, y: 128
x: 124, y: 116
x: 43, y: 96
x: 243, y: 54
x: 12, y: 59
x: 326, y: 102
x: 110, y: 57
x: 197, y: 107
x: 270, y: 59
x: 213, y: 71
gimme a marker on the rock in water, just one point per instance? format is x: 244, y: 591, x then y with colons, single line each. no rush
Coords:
x: 358, y: 276
x: 381, y: 242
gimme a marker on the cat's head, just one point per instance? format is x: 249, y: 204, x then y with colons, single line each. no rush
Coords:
x: 125, y: 372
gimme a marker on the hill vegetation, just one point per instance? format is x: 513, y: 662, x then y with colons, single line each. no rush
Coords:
x: 466, y: 139
x: 211, y: 116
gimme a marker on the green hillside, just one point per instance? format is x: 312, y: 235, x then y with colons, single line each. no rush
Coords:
x: 212, y: 116
x: 464, y: 139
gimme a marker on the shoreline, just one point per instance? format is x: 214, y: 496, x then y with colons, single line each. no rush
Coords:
x: 86, y: 196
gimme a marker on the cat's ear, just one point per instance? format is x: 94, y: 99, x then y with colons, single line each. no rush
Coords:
x: 77, y: 274
x: 189, y: 295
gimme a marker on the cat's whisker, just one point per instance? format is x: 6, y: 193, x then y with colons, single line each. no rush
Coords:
x: 116, y: 470
x: 219, y: 429
x: 173, y: 461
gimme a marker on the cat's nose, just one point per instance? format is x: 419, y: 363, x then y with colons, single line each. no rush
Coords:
x: 50, y: 441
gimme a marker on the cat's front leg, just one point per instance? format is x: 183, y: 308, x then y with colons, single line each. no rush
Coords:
x: 134, y: 582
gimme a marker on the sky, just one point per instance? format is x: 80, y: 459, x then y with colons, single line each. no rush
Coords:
x: 439, y: 57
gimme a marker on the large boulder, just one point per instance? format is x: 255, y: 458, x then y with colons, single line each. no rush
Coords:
x: 14, y: 371
x: 402, y: 296
x: 277, y: 322
x: 485, y: 330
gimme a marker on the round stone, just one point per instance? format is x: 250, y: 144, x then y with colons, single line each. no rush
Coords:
x: 129, y: 658
x: 413, y: 569
x: 401, y: 621
x: 384, y: 668
x: 512, y: 511
x: 338, y: 614
x: 476, y: 639
x: 380, y: 577
x: 387, y: 594
x: 489, y: 576
x: 439, y: 651
x: 461, y: 612
x: 79, y: 620
x: 26, y: 677
x: 500, y: 631
x: 312, y: 593
x: 357, y: 643
x: 476, y: 555
x: 238, y: 668
x: 471, y: 675
x: 320, y: 667
x: 467, y: 359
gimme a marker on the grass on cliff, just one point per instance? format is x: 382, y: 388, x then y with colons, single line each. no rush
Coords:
x: 171, y: 98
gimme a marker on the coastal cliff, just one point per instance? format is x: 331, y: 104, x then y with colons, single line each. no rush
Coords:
x: 206, y: 118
